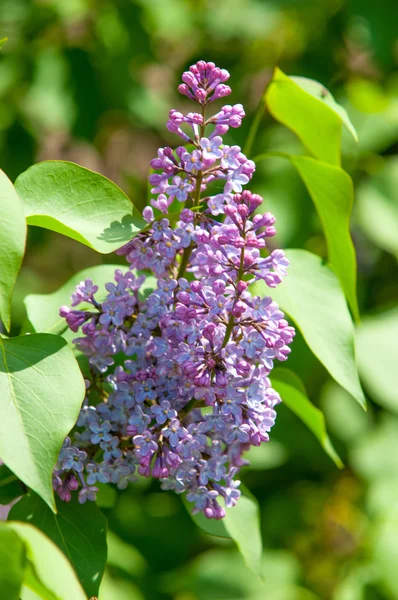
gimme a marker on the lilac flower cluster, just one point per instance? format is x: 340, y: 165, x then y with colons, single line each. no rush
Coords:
x: 180, y: 388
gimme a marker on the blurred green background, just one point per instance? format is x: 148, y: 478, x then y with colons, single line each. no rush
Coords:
x: 92, y: 81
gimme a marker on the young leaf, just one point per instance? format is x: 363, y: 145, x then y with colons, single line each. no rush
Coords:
x: 12, y: 244
x: 316, y: 124
x: 78, y: 203
x: 12, y: 563
x: 332, y: 192
x: 49, y: 565
x: 43, y: 309
x: 319, y: 91
x: 312, y: 296
x: 41, y: 391
x: 79, y: 530
x: 294, y: 396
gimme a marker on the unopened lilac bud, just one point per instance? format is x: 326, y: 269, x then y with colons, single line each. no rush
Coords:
x: 73, y: 484
x: 238, y: 309
x: 243, y: 368
x: 221, y: 379
x: 187, y: 215
x: 184, y: 90
x: 185, y: 298
x: 270, y: 231
x: 219, y: 286
x: 220, y: 129
x: 209, y: 331
x: 202, y: 236
x: 230, y: 210
x: 241, y: 286
x: 220, y: 91
x: 200, y: 95
x: 243, y: 211
x: 148, y: 215
x: 196, y: 286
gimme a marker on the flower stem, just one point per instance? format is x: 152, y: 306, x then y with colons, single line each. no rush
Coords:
x: 187, y: 252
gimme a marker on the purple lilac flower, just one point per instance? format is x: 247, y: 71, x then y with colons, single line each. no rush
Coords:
x: 181, y: 387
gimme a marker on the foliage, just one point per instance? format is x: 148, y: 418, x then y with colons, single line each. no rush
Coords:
x: 92, y: 85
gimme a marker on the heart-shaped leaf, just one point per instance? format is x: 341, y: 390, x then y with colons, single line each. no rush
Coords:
x: 312, y: 296
x: 49, y: 575
x: 12, y: 244
x: 43, y: 309
x: 79, y: 530
x: 332, y: 192
x: 78, y: 203
x: 41, y: 391
x: 242, y: 524
x: 315, y: 123
x: 12, y: 563
x: 319, y: 91
x: 294, y: 396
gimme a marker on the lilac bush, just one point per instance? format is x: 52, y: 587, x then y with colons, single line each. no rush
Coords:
x: 180, y: 385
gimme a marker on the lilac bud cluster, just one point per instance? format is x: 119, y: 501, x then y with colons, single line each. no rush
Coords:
x: 180, y: 383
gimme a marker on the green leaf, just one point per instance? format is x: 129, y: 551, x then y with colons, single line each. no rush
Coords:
x: 243, y: 525
x: 43, y: 309
x: 41, y: 391
x: 3, y: 41
x: 312, y: 296
x: 378, y: 196
x: 78, y: 203
x: 33, y: 588
x: 210, y: 526
x: 50, y: 566
x: 377, y: 344
x: 293, y: 394
x: 79, y: 530
x: 12, y: 563
x: 10, y: 486
x: 322, y: 93
x: 332, y: 192
x: 12, y: 244
x: 316, y: 124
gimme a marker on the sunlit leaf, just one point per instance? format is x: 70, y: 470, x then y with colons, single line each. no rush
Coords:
x: 210, y: 526
x: 332, y: 192
x: 79, y: 530
x: 290, y: 388
x: 312, y: 296
x: 243, y: 525
x: 12, y: 244
x: 41, y: 391
x: 43, y: 309
x: 316, y: 124
x: 377, y: 349
x: 78, y: 203
x: 378, y: 196
x: 319, y: 91
x: 12, y: 563
x: 50, y: 567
